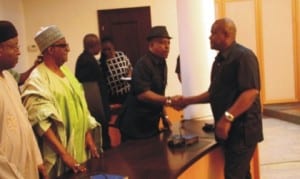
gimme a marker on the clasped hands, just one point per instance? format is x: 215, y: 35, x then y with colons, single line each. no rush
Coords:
x: 178, y: 102
x: 223, y: 125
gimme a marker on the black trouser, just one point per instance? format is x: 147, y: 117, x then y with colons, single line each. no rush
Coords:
x: 106, y: 143
x: 237, y: 161
x: 117, y: 99
x: 105, y: 137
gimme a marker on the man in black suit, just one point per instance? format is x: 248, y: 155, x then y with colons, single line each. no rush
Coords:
x: 88, y: 69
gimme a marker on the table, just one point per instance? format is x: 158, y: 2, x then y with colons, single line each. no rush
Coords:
x: 153, y: 158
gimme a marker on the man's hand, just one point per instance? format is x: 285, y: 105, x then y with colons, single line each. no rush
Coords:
x: 223, y: 127
x: 178, y: 102
x: 72, y: 163
x: 43, y: 171
x: 66, y: 157
x: 90, y: 145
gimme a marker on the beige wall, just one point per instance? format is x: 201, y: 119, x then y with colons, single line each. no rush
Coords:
x: 270, y: 28
x: 297, y: 46
x: 76, y: 18
x: 12, y: 10
x: 278, y: 50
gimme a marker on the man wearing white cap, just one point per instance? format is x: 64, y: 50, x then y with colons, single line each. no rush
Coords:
x: 57, y: 108
x: 19, y: 153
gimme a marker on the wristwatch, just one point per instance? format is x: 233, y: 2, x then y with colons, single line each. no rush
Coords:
x: 229, y: 116
x: 168, y: 101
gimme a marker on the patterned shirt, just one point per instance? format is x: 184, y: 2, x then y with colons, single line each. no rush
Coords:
x: 118, y: 67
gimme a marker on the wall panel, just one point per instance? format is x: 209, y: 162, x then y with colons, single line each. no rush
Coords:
x: 271, y: 30
x: 243, y: 14
x: 278, y: 50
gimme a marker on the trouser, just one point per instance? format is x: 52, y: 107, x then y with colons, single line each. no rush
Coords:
x: 117, y: 99
x: 237, y: 161
x: 101, y: 136
x: 106, y: 138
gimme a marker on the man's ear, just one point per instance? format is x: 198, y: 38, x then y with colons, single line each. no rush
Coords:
x: 151, y: 42
x: 49, y: 50
x: 226, y: 34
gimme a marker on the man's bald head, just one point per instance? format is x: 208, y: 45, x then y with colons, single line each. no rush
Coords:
x: 223, y: 34
x: 227, y: 26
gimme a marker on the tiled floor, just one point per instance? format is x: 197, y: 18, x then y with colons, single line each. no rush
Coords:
x: 285, y: 111
x: 280, y: 150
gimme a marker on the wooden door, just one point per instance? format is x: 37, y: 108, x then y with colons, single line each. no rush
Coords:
x: 128, y: 27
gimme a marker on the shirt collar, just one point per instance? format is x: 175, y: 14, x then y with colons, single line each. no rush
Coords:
x: 156, y: 59
x: 227, y: 51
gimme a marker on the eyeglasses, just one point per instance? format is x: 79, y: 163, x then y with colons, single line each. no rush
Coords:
x: 61, y: 45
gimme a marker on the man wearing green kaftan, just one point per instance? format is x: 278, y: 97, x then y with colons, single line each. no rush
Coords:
x: 58, y: 111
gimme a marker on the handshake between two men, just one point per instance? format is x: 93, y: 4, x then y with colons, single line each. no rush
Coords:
x: 177, y: 102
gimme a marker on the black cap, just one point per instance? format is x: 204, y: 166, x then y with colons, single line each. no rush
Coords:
x: 7, y: 31
x: 158, y: 31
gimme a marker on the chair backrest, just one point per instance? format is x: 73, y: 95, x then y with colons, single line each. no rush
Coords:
x: 94, y: 99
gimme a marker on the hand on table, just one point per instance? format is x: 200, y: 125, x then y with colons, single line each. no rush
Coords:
x: 72, y: 163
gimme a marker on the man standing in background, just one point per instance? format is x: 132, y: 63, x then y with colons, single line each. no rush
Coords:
x: 117, y: 66
x: 88, y: 69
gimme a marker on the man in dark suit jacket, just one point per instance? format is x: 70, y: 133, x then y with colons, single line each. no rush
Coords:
x: 88, y: 70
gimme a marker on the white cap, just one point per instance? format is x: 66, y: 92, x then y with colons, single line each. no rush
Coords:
x: 47, y: 36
